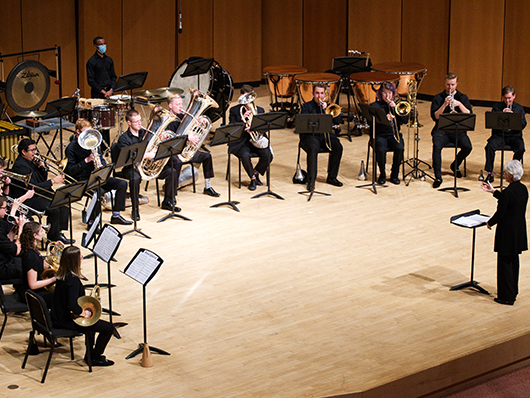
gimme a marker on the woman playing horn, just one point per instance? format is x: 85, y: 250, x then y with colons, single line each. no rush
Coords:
x: 67, y: 290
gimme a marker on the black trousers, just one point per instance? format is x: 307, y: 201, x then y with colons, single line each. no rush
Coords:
x: 440, y: 139
x: 264, y: 154
x: 386, y: 143
x: 495, y: 144
x: 312, y: 144
x: 507, y: 276
x: 104, y: 330
x: 12, y: 269
x: 57, y: 218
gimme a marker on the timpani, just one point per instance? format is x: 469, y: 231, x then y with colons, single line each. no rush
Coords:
x: 365, y: 84
x: 281, y: 79
x: 406, y: 71
x: 307, y: 81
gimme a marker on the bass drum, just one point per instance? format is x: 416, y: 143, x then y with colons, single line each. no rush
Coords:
x: 217, y: 82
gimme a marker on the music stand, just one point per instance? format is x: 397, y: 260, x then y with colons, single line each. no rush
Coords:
x: 377, y: 115
x: 456, y: 122
x: 142, y: 268
x: 503, y: 121
x: 67, y: 195
x: 472, y: 219
x: 313, y: 124
x: 130, y: 81
x: 223, y: 135
x: 169, y: 148
x: 198, y: 67
x: 130, y: 156
x: 59, y: 108
x: 267, y: 122
x: 345, y: 66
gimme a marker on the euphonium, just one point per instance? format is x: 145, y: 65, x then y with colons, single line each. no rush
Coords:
x: 91, y: 139
x: 92, y: 304
x: 247, y: 100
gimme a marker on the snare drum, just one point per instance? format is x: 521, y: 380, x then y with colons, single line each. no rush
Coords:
x: 217, y: 83
x: 406, y: 71
x: 281, y: 79
x: 365, y: 84
x: 120, y: 102
x: 103, y: 116
x: 305, y: 84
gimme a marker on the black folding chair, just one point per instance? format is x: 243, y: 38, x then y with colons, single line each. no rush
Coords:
x: 10, y: 304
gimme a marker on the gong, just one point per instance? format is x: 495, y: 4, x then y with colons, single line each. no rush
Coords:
x: 27, y: 86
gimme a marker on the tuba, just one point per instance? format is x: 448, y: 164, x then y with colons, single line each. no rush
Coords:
x: 91, y: 139
x: 92, y: 304
x: 193, y: 124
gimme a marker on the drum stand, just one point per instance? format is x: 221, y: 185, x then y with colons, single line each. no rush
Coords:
x: 292, y: 108
x: 415, y: 162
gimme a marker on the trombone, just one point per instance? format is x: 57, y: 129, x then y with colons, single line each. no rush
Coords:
x: 403, y: 108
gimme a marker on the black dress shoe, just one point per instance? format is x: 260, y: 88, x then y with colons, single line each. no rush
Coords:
x: 490, y: 178
x: 395, y: 180
x: 211, y: 192
x: 334, y: 182
x: 252, y: 185
x: 381, y: 180
x: 120, y: 220
x: 497, y: 300
x: 258, y: 182
x: 310, y: 186
x: 437, y: 182
x: 167, y: 206
x: 456, y: 171
x: 101, y: 361
x: 65, y: 240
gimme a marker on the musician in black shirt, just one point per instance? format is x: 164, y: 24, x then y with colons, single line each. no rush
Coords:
x: 100, y: 71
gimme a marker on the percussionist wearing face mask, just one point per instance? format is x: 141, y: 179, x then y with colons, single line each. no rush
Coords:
x: 100, y: 71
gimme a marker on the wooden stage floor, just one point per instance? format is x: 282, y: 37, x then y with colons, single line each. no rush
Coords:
x: 346, y: 295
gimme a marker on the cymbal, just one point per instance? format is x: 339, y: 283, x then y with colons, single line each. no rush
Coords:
x: 153, y: 98
x: 32, y: 114
x: 165, y: 92
x: 116, y: 102
x: 145, y: 93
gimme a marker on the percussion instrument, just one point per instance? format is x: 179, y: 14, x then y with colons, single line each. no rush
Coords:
x: 365, y: 84
x: 281, y: 80
x: 217, y: 83
x: 406, y: 71
x: 306, y: 81
x: 9, y: 135
x: 120, y: 102
x: 27, y: 86
x: 103, y: 117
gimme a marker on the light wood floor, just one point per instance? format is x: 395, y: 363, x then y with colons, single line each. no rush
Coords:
x: 343, y: 295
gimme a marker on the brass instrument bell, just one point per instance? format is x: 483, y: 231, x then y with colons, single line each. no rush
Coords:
x: 92, y: 304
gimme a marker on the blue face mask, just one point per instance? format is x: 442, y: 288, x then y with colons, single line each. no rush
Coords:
x: 102, y: 48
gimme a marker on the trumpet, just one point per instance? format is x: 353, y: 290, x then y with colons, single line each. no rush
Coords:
x: 13, y: 220
x: 90, y: 303
x: 24, y: 209
x: 452, y: 95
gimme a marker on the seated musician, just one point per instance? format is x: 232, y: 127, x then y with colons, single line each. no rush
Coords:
x: 449, y: 100
x: 513, y: 138
x: 246, y: 146
x: 26, y: 163
x: 4, y: 189
x: 175, y: 107
x: 81, y: 163
x: 311, y: 144
x: 10, y: 265
x: 385, y: 136
x: 134, y: 135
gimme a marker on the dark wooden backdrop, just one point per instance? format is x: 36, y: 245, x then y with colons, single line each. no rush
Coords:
x: 484, y: 42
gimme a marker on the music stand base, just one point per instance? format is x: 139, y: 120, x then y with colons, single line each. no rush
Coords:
x: 232, y: 204
x: 311, y: 193
x: 472, y: 284
x: 259, y: 195
x: 455, y: 190
x: 141, y: 348
x: 139, y: 231
x: 107, y: 311
x: 372, y: 185
x: 173, y: 215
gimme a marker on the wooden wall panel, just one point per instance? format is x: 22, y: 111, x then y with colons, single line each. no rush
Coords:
x: 149, y: 30
x: 196, y: 38
x: 237, y: 38
x: 325, y: 32
x: 476, y: 49
x: 517, y: 50
x: 282, y: 33
x: 375, y: 27
x: 425, y: 40
x: 99, y: 18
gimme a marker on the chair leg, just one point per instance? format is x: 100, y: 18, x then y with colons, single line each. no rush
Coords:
x: 88, y: 354
x: 47, y: 363
x: 31, y: 341
x: 71, y: 349
x: 368, y: 158
x: 239, y: 173
x: 3, y: 326
x: 157, y: 194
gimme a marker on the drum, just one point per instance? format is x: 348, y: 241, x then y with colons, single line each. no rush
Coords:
x: 103, y: 116
x: 306, y: 81
x: 281, y: 79
x: 406, y: 71
x: 365, y: 84
x: 217, y: 83
x: 120, y: 102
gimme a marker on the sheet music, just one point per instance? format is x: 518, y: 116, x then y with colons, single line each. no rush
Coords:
x: 90, y: 234
x: 474, y: 220
x: 107, y: 243
x: 143, y: 266
x: 91, y: 205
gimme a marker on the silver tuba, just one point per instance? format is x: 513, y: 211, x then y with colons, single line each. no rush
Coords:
x: 247, y: 102
x: 91, y: 139
x: 193, y: 124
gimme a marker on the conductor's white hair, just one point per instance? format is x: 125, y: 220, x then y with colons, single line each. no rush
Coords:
x: 514, y: 168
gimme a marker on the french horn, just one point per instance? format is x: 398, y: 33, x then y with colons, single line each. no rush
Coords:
x: 92, y: 304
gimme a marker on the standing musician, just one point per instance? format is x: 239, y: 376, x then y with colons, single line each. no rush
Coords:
x: 10, y: 265
x: 81, y: 163
x: 100, y: 72
x: 311, y: 144
x: 175, y: 107
x: 513, y: 138
x: 385, y: 136
x: 245, y: 147
x: 449, y: 100
x: 25, y: 164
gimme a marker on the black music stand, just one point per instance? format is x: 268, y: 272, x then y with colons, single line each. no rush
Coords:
x: 377, y: 115
x: 130, y: 156
x: 198, y: 67
x: 169, y: 148
x: 472, y: 219
x: 60, y: 108
x: 266, y: 122
x: 313, y: 124
x: 456, y: 122
x: 223, y: 135
x: 142, y: 268
x: 67, y: 195
x: 97, y: 179
x: 503, y: 121
x: 130, y: 81
x: 345, y: 66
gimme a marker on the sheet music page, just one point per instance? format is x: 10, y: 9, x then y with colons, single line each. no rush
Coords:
x: 143, y: 266
x: 107, y: 243
x: 472, y: 221
x: 90, y: 234
x: 91, y: 205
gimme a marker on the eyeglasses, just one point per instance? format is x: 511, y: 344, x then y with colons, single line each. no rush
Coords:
x: 3, y: 207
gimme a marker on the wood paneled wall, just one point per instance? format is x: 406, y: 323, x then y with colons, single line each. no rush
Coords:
x: 482, y: 41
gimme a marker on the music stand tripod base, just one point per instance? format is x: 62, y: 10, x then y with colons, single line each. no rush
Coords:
x: 472, y: 284
x: 311, y: 193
